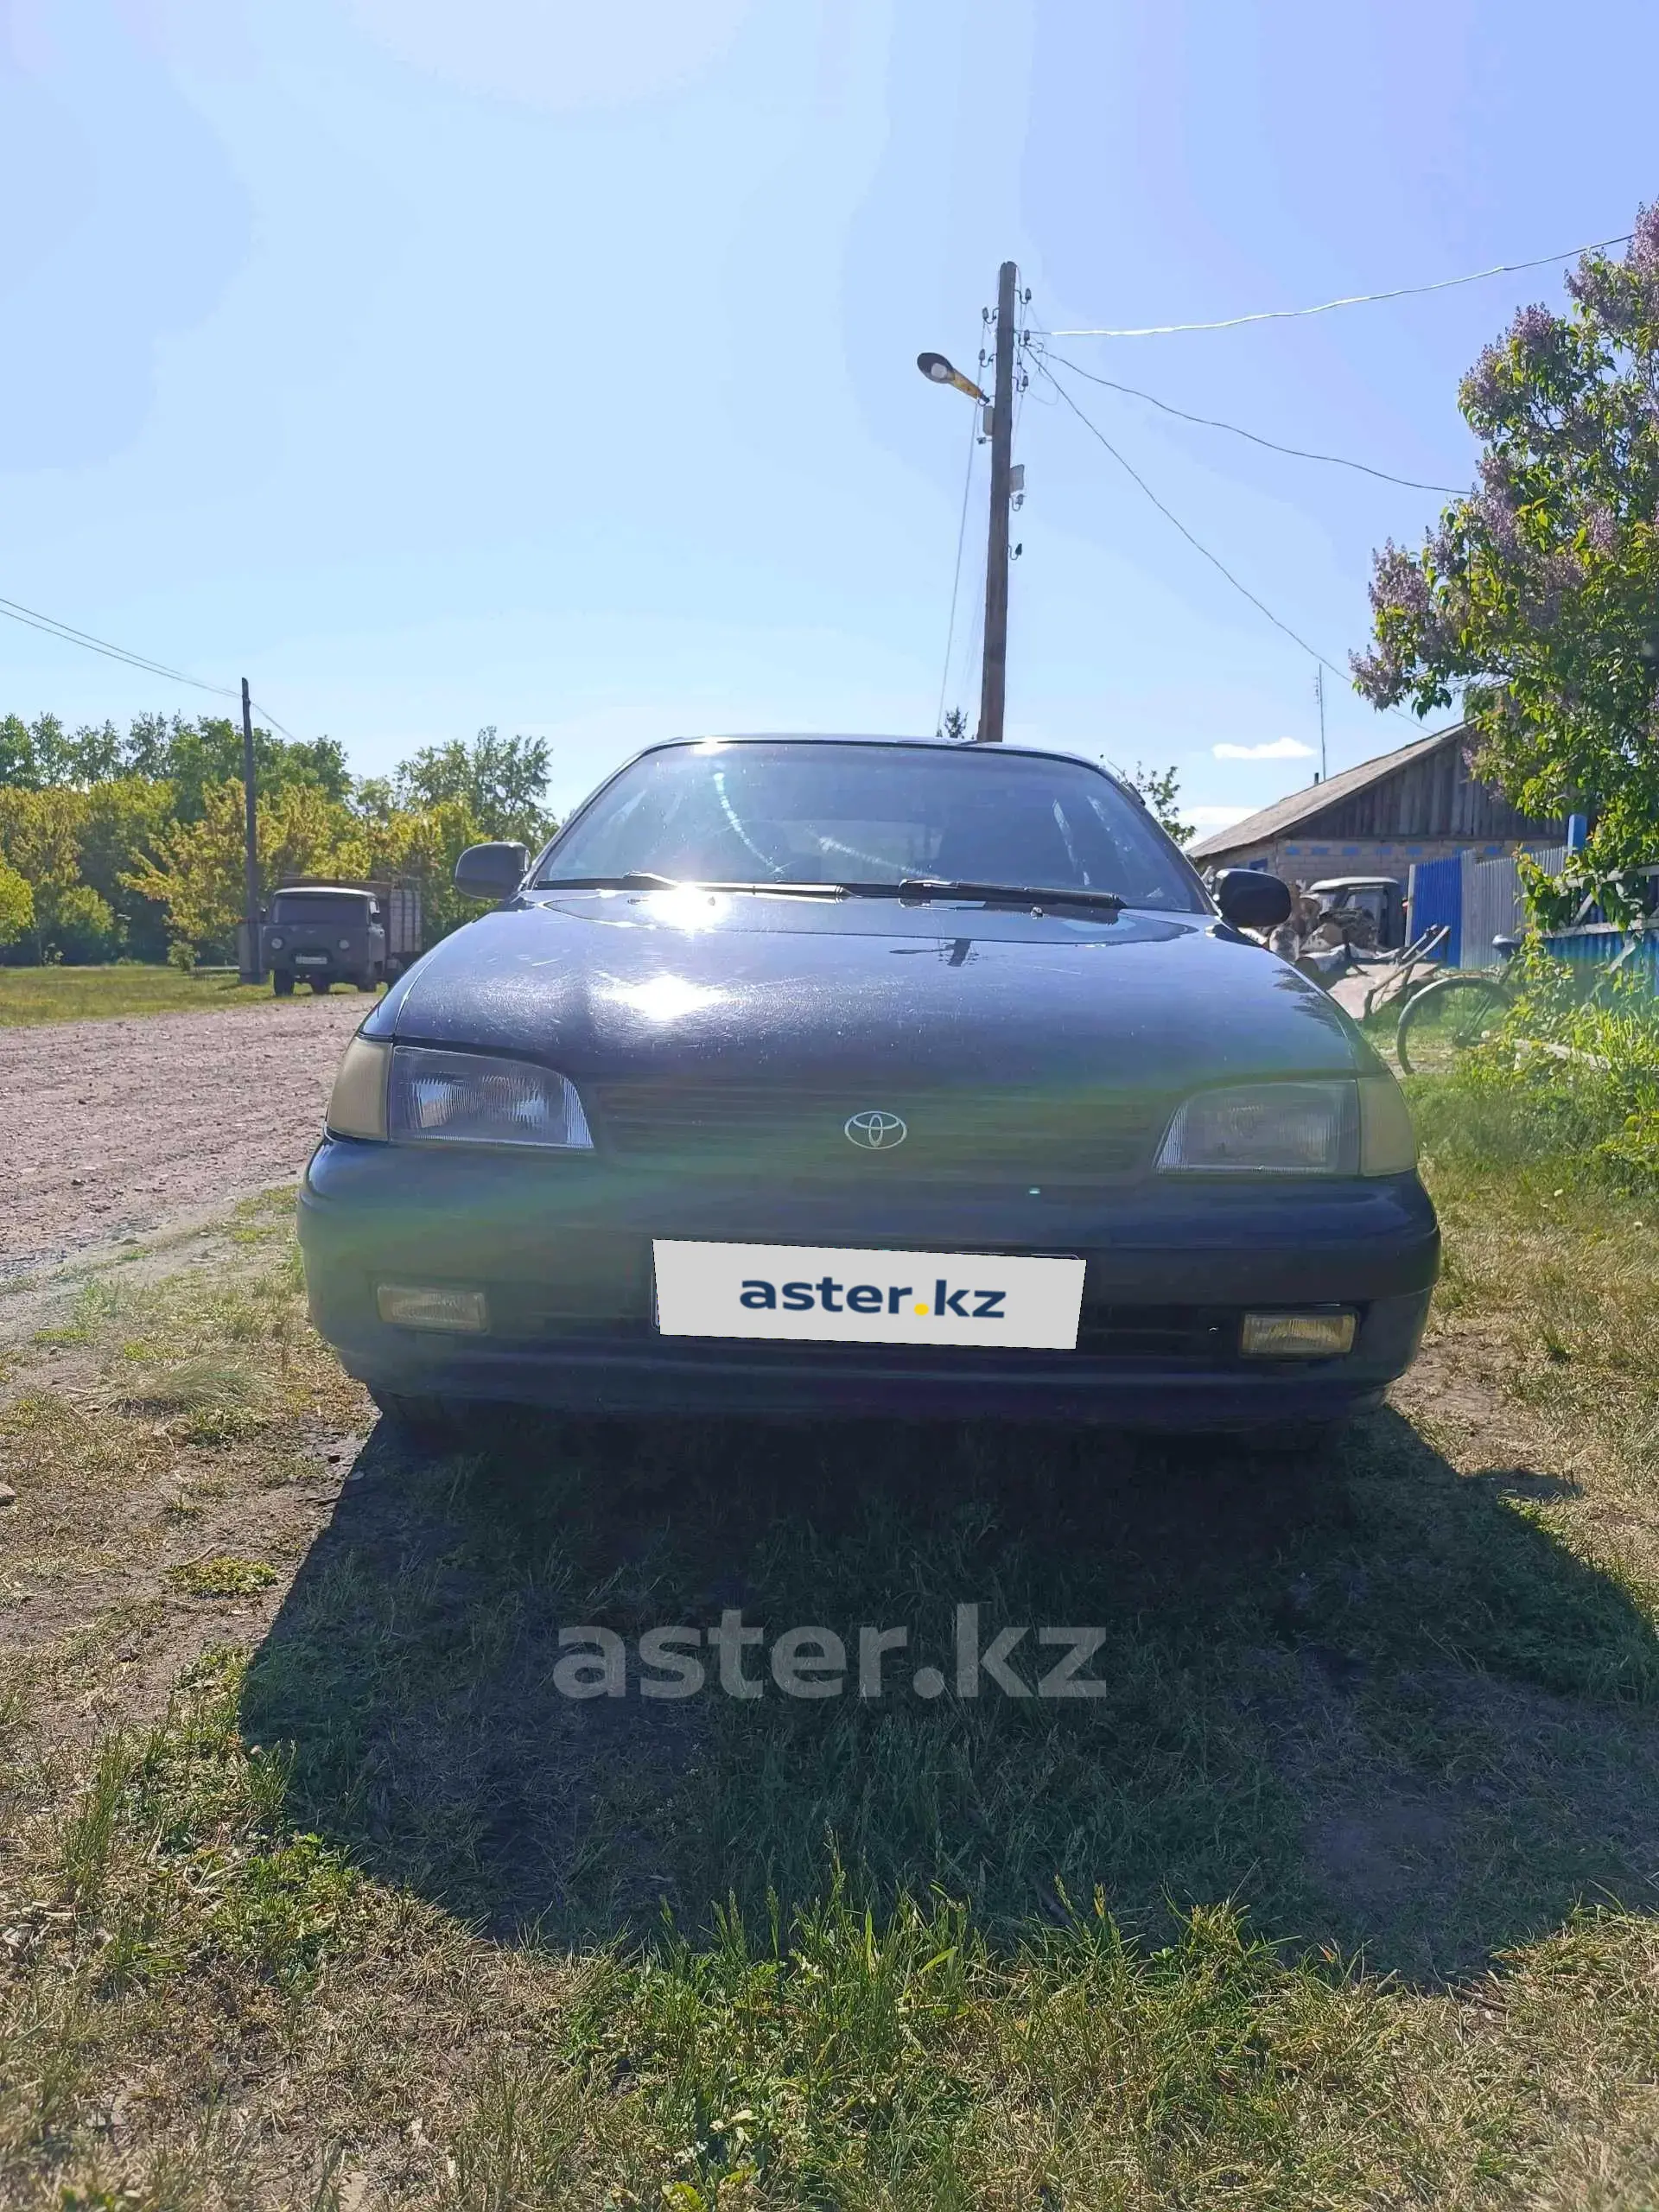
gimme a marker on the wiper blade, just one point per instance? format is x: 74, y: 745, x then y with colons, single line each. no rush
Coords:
x: 638, y: 879
x: 1011, y: 894
x: 642, y: 880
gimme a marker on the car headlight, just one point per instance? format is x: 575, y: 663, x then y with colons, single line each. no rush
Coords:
x: 275, y: 942
x: 344, y: 944
x: 467, y: 1099
x: 1344, y: 1127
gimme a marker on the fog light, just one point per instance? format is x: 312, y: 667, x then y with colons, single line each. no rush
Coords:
x: 426, y: 1305
x: 1296, y: 1336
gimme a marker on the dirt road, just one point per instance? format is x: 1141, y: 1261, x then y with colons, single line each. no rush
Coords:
x: 112, y: 1128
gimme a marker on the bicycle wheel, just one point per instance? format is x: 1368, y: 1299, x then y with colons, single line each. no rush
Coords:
x: 1447, y: 1020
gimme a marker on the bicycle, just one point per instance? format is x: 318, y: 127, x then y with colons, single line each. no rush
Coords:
x: 1457, y: 1012
x: 1448, y: 1018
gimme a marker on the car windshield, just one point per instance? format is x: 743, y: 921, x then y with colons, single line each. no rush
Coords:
x: 766, y: 811
x: 318, y: 906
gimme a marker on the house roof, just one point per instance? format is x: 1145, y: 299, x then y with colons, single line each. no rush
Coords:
x: 1286, y: 814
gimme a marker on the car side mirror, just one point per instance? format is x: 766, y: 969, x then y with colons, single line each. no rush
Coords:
x: 1251, y: 899
x: 491, y: 871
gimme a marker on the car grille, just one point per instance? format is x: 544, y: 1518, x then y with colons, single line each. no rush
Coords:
x: 975, y: 1137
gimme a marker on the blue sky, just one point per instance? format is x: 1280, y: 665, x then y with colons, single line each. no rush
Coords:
x: 447, y: 362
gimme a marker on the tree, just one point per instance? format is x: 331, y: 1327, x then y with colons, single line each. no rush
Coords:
x: 955, y: 726
x: 194, y: 868
x: 39, y: 840
x: 41, y: 754
x: 124, y: 818
x: 1538, y: 594
x: 16, y: 906
x: 1161, y: 790
x: 499, y: 780
x: 196, y: 757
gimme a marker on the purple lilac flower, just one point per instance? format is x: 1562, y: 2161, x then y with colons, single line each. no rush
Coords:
x: 1398, y: 582
x: 1498, y: 475
x: 1534, y: 330
x: 1498, y: 520
x: 1600, y: 529
x: 1482, y: 388
x: 1643, y: 250
x: 1379, y: 676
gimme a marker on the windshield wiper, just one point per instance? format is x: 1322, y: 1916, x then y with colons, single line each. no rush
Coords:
x: 638, y: 879
x: 1009, y: 894
x: 641, y: 879
x: 916, y: 889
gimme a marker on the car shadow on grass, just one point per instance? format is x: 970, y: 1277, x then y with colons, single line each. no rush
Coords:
x: 1381, y: 1705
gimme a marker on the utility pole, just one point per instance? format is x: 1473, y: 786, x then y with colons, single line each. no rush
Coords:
x: 252, y: 968
x: 995, y: 673
x: 1318, y: 693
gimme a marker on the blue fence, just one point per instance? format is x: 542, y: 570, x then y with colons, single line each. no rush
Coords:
x: 1436, y: 891
x: 1598, y: 945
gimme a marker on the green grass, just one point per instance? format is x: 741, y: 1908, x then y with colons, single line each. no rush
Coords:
x: 1341, y: 1894
x: 30, y: 995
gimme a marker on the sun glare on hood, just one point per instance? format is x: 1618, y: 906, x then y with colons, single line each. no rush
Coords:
x: 665, y: 998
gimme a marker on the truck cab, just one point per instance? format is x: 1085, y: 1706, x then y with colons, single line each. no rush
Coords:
x: 323, y: 934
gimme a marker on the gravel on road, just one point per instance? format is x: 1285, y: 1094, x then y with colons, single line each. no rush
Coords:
x: 110, y: 1128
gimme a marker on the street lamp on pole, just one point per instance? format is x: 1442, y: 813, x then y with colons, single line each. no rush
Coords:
x: 935, y: 367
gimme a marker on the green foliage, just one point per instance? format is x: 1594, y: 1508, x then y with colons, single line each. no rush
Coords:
x: 83, y: 927
x: 17, y: 905
x: 1538, y: 595
x: 1161, y: 790
x: 498, y: 781
x: 134, y: 846
x: 1564, y: 1077
x: 36, y: 755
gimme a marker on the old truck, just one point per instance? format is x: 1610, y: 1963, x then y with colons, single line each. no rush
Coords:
x: 340, y: 932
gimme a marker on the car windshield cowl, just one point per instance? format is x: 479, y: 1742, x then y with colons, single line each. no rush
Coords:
x: 909, y: 890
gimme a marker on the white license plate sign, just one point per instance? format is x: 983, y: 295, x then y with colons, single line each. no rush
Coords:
x: 311, y: 960
x: 833, y: 1295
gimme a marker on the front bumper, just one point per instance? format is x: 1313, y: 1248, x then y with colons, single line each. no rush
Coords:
x: 561, y: 1247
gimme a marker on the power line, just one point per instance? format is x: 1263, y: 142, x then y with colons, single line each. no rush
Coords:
x: 266, y: 713
x: 31, y: 619
x: 1353, y: 299
x: 34, y: 620
x: 1196, y: 544
x: 1211, y: 423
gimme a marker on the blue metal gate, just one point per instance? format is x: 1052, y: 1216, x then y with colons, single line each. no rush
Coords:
x: 1435, y: 890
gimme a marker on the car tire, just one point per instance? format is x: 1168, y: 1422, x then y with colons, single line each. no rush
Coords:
x: 320, y: 986
x: 282, y: 986
x: 366, y: 983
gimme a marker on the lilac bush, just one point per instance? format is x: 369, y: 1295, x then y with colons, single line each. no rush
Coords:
x: 1537, y: 595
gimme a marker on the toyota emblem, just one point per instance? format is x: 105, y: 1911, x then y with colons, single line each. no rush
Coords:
x: 875, y: 1131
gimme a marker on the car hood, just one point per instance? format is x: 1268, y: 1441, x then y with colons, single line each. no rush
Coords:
x: 761, y: 990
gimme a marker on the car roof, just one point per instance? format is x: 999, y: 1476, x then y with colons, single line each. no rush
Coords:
x: 1351, y: 882
x: 320, y: 891
x: 935, y: 744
